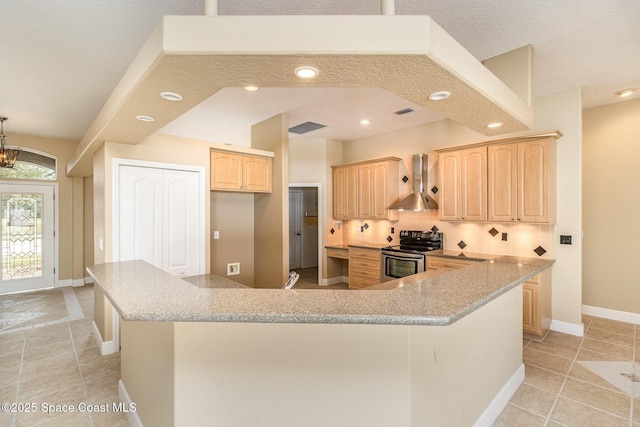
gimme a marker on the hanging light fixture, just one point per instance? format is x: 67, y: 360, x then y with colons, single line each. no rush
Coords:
x: 8, y: 156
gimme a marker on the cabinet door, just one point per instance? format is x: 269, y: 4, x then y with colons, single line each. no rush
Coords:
x: 474, y: 184
x: 226, y: 171
x: 366, y: 191
x: 502, y: 182
x: 450, y: 183
x: 256, y: 174
x: 534, y: 192
x: 530, y: 308
x: 373, y: 190
x: 345, y: 192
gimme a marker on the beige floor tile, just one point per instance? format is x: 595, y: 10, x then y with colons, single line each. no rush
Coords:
x: 572, y: 413
x: 619, y: 351
x: 34, y: 352
x: 48, y: 383
x: 9, y: 375
x: 605, y: 400
x: 606, y: 336
x: 557, y: 348
x: 61, y: 363
x: 546, y: 360
x: 93, y: 365
x: 533, y: 399
x: 70, y: 396
x: 581, y: 373
x: 8, y: 392
x: 512, y: 416
x: 6, y: 418
x: 612, y: 326
x: 103, y: 389
x: 13, y: 359
x: 109, y: 419
x: 543, y: 378
x: 636, y: 410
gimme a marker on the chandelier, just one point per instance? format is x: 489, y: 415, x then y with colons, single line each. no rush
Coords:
x: 8, y: 156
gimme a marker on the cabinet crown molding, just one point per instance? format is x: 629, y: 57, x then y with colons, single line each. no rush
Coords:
x: 512, y: 139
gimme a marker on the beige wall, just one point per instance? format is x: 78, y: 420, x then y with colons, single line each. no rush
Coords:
x: 70, y: 241
x: 611, y: 206
x: 271, y: 211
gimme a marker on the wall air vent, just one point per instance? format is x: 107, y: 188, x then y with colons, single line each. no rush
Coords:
x: 404, y: 111
x: 306, y: 127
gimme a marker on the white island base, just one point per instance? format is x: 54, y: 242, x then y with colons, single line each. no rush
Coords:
x: 291, y: 375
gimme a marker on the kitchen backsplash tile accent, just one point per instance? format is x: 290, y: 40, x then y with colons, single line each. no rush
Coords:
x: 462, y: 244
x: 523, y: 238
x: 540, y: 251
x: 493, y: 232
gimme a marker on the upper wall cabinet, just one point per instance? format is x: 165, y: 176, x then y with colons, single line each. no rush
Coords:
x: 366, y: 190
x: 501, y: 181
x: 231, y: 171
x: 521, y: 183
x: 463, y: 183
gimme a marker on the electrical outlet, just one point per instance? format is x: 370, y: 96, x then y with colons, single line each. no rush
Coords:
x: 504, y: 237
x: 565, y: 240
x: 393, y: 230
x: 233, y: 268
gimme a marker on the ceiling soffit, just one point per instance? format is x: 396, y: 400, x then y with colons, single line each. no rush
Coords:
x: 196, y: 56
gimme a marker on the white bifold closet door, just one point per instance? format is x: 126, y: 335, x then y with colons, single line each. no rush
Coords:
x: 158, y: 215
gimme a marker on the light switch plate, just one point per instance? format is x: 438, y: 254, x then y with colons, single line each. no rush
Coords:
x: 565, y: 240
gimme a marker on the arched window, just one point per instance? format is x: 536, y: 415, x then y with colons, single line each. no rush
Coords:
x: 31, y: 165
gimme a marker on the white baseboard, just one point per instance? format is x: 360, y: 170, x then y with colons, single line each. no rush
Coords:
x: 606, y: 313
x: 567, y: 328
x: 77, y: 282
x: 335, y: 280
x: 88, y: 280
x: 132, y: 416
x: 64, y: 283
x: 497, y: 405
x: 106, y: 347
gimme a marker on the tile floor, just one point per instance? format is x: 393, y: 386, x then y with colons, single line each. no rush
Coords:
x: 309, y: 280
x: 48, y: 355
x: 580, y: 381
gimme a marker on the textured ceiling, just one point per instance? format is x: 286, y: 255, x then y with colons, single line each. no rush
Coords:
x: 61, y: 60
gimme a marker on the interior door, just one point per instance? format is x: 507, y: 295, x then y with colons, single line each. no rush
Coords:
x: 295, y: 228
x: 27, y: 237
x: 159, y: 218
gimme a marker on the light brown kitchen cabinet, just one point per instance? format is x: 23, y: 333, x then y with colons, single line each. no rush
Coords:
x: 435, y: 262
x: 521, y: 181
x: 364, y: 267
x: 463, y: 185
x: 345, y: 192
x: 232, y: 171
x: 536, y: 305
x: 366, y: 190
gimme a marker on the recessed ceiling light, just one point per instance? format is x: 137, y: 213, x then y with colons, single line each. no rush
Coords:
x: 440, y: 95
x: 365, y: 122
x: 145, y: 118
x: 171, y: 96
x: 306, y: 72
x: 626, y: 92
x: 494, y: 125
x: 251, y: 88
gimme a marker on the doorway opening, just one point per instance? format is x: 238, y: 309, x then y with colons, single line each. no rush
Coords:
x: 304, y: 232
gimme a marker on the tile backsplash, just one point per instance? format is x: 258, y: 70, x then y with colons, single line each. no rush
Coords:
x: 516, y: 239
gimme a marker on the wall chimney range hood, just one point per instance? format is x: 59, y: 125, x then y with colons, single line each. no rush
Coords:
x: 418, y: 200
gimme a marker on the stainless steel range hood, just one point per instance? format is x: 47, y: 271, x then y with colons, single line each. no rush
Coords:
x: 418, y: 200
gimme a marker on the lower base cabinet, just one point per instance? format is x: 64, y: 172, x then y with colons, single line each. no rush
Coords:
x: 536, y: 297
x: 536, y: 305
x: 364, y: 267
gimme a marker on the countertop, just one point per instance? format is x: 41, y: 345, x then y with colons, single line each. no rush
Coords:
x: 366, y: 245
x: 141, y: 292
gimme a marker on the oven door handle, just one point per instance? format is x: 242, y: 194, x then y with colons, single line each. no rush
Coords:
x: 403, y: 257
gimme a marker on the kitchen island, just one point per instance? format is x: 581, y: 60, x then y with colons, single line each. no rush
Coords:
x: 438, y: 348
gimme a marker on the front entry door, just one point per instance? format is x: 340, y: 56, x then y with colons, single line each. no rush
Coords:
x: 27, y: 239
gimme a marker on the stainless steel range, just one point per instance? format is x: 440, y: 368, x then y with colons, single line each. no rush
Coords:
x: 408, y: 257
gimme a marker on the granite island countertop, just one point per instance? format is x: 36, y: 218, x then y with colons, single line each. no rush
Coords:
x: 142, y: 292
